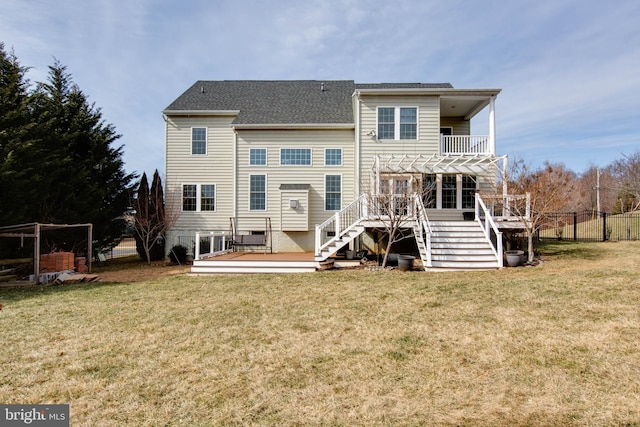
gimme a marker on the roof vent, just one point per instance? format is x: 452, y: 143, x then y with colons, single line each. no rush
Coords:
x: 201, y: 89
x: 322, y: 87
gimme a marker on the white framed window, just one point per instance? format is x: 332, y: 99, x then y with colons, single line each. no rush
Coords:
x: 198, y: 141
x: 333, y: 156
x: 257, y: 192
x: 198, y: 197
x: 332, y: 192
x: 397, y: 123
x: 295, y: 156
x: 257, y: 156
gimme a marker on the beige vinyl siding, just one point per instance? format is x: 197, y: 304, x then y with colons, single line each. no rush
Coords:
x: 216, y: 167
x: 428, y: 127
x: 459, y: 125
x: 273, y: 141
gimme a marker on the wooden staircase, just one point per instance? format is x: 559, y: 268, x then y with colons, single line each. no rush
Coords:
x: 342, y: 241
x: 461, y: 245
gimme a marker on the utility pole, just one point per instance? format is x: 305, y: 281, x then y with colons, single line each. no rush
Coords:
x: 598, y: 189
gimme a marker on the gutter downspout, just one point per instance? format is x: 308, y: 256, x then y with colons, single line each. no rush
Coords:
x: 356, y: 184
x: 234, y: 204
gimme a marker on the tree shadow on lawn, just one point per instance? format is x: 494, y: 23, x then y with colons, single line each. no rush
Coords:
x: 572, y: 250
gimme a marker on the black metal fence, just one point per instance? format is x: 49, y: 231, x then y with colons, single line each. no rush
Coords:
x: 590, y: 226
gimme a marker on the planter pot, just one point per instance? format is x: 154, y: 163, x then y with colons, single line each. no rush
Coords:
x: 514, y: 258
x: 405, y: 262
x: 348, y: 254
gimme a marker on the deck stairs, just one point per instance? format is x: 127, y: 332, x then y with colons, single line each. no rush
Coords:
x: 343, y: 240
x: 442, y: 244
x: 461, y: 245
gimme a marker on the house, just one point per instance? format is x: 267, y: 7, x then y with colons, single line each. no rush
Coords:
x: 294, y: 166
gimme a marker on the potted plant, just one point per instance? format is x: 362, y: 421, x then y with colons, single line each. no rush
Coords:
x: 514, y: 258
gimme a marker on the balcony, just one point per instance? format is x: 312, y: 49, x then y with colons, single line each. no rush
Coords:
x: 466, y: 145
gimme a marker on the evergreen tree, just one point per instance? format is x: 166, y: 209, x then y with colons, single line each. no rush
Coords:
x: 149, y: 219
x: 57, y: 159
x: 16, y: 139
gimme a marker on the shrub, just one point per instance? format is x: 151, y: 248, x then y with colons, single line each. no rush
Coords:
x: 178, y: 254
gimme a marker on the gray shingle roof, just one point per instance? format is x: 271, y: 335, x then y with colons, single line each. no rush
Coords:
x: 261, y: 102
x: 272, y: 102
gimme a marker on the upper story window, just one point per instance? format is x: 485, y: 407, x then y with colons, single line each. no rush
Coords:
x: 397, y: 123
x: 295, y: 156
x: 198, y: 140
x: 258, y: 156
x: 333, y: 157
x: 199, y: 197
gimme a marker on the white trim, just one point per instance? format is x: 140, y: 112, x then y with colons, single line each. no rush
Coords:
x: 296, y: 148
x: 266, y: 156
x: 324, y: 184
x: 396, y: 122
x: 199, y: 197
x: 266, y: 193
x: 341, y: 156
x: 206, y: 141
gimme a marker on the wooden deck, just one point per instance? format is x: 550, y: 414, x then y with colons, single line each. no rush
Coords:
x: 257, y: 262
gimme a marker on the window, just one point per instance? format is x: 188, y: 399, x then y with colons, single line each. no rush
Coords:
x: 468, y: 192
x: 333, y: 157
x: 189, y: 197
x: 207, y: 197
x: 258, y: 156
x: 198, y: 140
x: 198, y: 197
x: 295, y: 156
x: 429, y: 190
x: 386, y: 123
x: 257, y: 192
x: 397, y: 123
x: 449, y: 191
x: 333, y: 192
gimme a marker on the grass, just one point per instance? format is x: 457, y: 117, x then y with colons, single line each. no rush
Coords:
x: 555, y: 344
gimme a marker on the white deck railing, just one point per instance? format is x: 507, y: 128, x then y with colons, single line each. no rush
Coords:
x: 509, y: 206
x: 424, y: 227
x: 341, y: 222
x: 465, y: 144
x: 483, y: 216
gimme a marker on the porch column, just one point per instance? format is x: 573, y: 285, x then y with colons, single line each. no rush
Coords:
x: 492, y: 125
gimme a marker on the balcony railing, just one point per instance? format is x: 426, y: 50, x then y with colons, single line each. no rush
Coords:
x: 465, y: 144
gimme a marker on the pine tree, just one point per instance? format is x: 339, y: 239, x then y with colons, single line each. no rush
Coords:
x: 57, y: 159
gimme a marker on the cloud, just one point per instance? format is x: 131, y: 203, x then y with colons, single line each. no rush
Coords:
x: 568, y: 70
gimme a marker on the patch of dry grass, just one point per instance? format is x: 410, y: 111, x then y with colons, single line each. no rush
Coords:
x: 551, y: 345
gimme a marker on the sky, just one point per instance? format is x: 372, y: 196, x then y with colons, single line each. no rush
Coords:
x: 569, y: 70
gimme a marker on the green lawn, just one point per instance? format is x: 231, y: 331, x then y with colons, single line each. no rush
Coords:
x: 557, y: 344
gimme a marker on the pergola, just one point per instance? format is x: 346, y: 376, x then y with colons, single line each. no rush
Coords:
x: 34, y: 230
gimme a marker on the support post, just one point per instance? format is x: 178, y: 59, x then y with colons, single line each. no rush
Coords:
x: 89, y: 246
x: 36, y: 254
x: 492, y: 126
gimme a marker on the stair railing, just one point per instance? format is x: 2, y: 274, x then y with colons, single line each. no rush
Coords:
x: 424, y: 227
x: 491, y: 232
x: 341, y: 222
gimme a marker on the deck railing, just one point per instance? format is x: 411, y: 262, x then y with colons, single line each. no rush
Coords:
x: 517, y: 206
x: 465, y: 144
x: 341, y: 222
x: 483, y: 216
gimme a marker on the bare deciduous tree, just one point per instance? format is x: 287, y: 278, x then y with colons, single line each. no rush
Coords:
x: 153, y: 217
x: 552, y: 188
x: 627, y: 170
